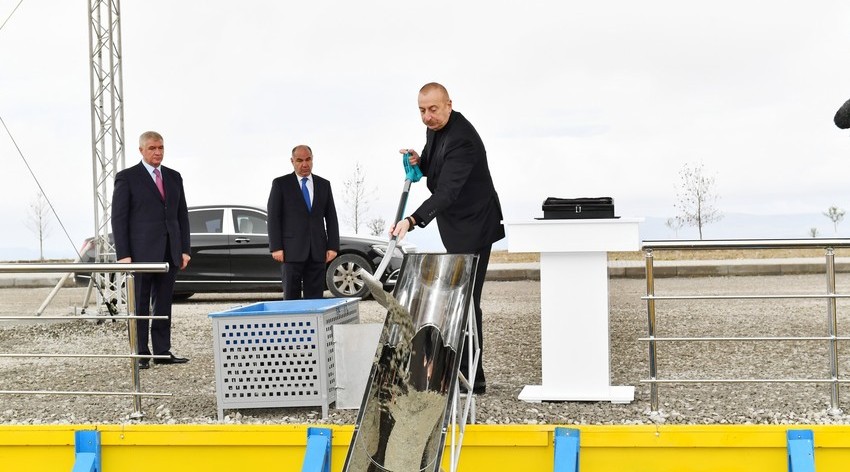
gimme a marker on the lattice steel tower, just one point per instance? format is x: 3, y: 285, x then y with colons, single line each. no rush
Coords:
x: 107, y: 131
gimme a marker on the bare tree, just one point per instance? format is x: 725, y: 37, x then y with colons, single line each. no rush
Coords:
x: 674, y: 224
x: 813, y: 232
x: 696, y: 198
x: 377, y: 226
x: 835, y: 215
x: 356, y: 196
x: 38, y: 221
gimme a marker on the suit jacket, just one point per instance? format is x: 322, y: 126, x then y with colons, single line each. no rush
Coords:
x: 302, y: 234
x: 144, y: 226
x: 842, y: 116
x: 463, y: 198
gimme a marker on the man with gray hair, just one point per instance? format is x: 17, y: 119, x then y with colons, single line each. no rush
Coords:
x: 150, y: 223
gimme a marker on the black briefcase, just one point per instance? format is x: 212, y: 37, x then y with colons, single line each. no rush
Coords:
x: 575, y: 208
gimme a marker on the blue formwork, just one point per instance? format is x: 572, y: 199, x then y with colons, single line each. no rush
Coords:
x: 278, y: 354
x: 567, y: 447
x: 317, y: 456
x: 801, y: 450
x: 86, y: 451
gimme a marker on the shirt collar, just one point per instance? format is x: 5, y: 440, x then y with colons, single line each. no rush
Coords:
x: 149, y: 167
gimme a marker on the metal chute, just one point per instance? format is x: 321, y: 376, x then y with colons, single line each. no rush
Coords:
x: 403, y: 419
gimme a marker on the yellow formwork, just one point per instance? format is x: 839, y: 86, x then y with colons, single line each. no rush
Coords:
x: 487, y: 448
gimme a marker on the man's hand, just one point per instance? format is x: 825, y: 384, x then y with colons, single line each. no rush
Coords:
x: 414, y: 156
x: 125, y: 260
x: 186, y: 259
x: 278, y: 255
x: 400, y: 229
x: 330, y: 255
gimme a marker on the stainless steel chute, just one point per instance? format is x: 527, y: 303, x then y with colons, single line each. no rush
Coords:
x: 403, y: 419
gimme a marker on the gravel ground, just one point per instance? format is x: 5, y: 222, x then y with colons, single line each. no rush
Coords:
x: 512, y: 343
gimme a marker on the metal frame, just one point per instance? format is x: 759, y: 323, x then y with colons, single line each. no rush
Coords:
x: 467, y: 414
x: 107, y: 133
x: 131, y: 318
x: 830, y: 296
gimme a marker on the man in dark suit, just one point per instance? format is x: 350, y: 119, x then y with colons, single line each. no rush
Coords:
x: 303, y: 227
x: 463, y: 197
x: 150, y: 223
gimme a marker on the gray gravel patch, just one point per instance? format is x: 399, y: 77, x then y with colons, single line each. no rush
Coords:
x: 512, y: 360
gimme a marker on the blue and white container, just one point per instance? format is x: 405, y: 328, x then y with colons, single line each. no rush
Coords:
x: 278, y: 354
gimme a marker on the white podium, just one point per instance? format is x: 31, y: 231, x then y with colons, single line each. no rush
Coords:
x: 574, y: 304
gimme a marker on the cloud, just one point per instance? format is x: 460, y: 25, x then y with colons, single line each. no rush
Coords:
x: 593, y: 98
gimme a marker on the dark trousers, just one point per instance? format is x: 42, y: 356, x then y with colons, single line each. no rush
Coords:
x: 480, y: 274
x: 153, y: 297
x: 307, y: 278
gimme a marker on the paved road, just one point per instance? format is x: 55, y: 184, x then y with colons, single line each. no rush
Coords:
x: 616, y: 269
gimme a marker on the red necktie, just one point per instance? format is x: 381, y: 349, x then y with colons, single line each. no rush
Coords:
x: 159, y: 183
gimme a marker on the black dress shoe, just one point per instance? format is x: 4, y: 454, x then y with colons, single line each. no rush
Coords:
x: 172, y: 359
x: 144, y: 363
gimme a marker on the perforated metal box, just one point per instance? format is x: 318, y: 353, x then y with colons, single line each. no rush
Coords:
x: 278, y: 354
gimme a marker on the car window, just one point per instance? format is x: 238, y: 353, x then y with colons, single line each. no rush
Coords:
x: 206, y: 221
x: 249, y: 222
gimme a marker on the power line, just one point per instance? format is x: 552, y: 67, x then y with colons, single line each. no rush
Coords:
x: 40, y: 188
x: 10, y: 14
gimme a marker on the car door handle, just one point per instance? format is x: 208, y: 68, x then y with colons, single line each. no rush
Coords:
x: 242, y: 240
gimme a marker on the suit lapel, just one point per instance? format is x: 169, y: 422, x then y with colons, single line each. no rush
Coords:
x: 318, y: 193
x: 168, y: 183
x: 295, y: 190
x: 148, y: 181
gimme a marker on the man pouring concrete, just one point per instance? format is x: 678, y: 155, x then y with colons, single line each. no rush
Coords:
x: 463, y: 199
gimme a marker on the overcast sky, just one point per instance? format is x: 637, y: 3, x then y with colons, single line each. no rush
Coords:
x: 594, y: 98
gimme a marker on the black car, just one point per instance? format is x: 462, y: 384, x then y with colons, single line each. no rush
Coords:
x: 230, y: 253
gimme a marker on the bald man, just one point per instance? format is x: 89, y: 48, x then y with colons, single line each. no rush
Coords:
x: 303, y: 227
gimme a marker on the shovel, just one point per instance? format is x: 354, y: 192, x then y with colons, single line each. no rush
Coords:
x: 411, y: 174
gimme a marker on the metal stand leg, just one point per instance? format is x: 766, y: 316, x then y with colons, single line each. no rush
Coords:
x: 52, y: 294
x: 132, y: 324
x: 459, y: 422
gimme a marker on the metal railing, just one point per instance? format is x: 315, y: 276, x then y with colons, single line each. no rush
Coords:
x: 130, y: 317
x: 832, y: 338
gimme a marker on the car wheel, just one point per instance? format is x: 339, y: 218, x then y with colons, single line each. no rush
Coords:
x: 342, y: 279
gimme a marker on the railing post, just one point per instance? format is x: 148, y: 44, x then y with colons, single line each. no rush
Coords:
x: 133, y: 332
x: 832, y: 328
x: 650, y: 313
